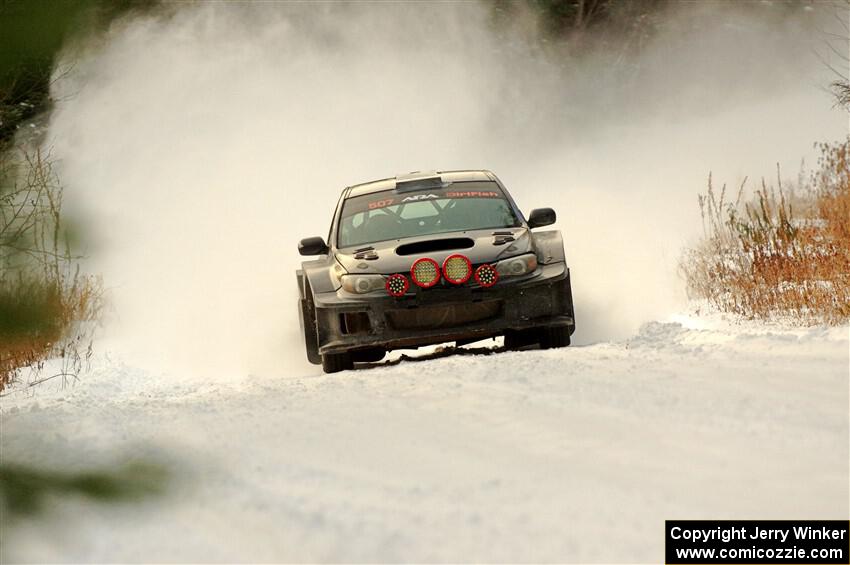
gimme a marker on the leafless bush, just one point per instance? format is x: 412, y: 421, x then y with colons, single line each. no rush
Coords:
x: 841, y: 91
x: 47, y: 307
x: 780, y: 253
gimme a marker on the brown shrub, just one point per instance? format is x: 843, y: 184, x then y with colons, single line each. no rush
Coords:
x: 781, y: 253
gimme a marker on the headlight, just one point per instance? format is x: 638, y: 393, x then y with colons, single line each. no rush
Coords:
x: 361, y: 284
x: 514, y: 266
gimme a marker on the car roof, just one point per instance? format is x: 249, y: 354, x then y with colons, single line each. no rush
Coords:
x: 391, y: 182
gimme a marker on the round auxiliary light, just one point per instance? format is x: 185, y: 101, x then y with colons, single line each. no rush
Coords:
x: 397, y: 285
x: 486, y: 275
x: 457, y: 269
x: 425, y: 272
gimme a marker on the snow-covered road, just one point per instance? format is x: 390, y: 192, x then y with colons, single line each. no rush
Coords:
x: 566, y: 455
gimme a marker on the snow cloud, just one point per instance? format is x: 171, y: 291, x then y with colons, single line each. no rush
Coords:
x: 201, y: 144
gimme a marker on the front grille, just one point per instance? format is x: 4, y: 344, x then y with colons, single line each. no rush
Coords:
x: 442, y: 316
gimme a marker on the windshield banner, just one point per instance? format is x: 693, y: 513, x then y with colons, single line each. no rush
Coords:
x: 389, y: 198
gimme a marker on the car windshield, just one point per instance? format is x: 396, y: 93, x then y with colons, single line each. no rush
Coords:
x: 389, y: 214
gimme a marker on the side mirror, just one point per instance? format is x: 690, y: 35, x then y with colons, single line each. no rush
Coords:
x: 312, y: 246
x: 541, y: 217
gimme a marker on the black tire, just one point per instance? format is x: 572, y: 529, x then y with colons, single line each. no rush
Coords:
x: 518, y: 339
x: 554, y: 337
x: 372, y: 355
x: 336, y: 362
x: 311, y: 337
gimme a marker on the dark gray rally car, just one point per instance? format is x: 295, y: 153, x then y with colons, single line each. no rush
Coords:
x: 429, y: 258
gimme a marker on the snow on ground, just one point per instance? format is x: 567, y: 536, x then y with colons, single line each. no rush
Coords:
x: 567, y: 455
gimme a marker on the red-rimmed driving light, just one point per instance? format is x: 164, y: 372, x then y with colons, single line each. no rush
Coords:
x: 425, y: 272
x: 486, y: 275
x: 397, y: 285
x: 457, y: 269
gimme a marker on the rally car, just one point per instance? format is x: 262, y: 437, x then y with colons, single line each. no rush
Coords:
x: 430, y: 258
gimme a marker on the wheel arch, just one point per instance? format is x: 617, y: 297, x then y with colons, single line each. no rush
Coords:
x: 299, y: 276
x: 549, y: 246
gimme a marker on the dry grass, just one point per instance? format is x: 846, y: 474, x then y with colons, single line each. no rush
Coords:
x: 41, y: 320
x: 46, y: 304
x: 780, y: 253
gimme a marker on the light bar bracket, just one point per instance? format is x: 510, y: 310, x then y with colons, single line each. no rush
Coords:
x: 419, y: 184
x: 419, y: 181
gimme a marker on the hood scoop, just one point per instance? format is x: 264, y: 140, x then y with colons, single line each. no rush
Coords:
x: 366, y: 253
x: 432, y: 245
x: 502, y: 237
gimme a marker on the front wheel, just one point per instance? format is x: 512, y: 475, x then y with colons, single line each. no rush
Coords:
x: 554, y: 337
x: 308, y: 328
x: 517, y: 339
x: 371, y: 355
x: 336, y: 362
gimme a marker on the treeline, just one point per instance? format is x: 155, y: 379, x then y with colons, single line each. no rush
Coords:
x: 32, y: 33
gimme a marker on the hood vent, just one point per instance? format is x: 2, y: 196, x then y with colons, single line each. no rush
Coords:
x: 367, y: 253
x: 433, y: 245
x: 502, y: 237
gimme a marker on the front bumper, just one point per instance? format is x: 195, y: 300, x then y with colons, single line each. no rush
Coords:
x: 347, y: 323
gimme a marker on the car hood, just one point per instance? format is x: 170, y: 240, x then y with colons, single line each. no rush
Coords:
x: 480, y: 246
